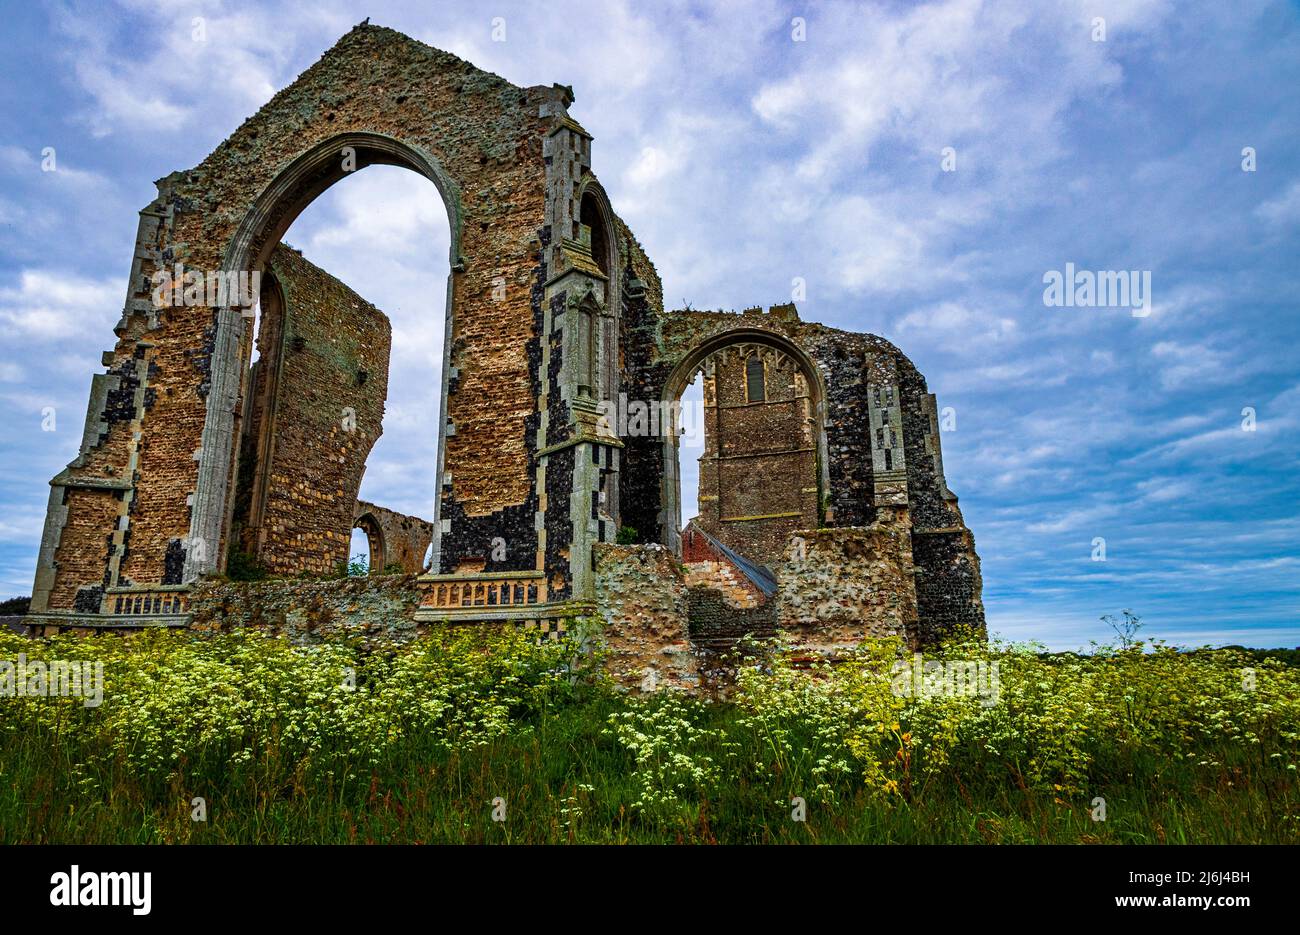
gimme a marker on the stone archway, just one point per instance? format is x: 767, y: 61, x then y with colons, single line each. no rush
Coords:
x: 275, y: 209
x: 144, y: 507
x: 742, y: 341
x: 374, y: 531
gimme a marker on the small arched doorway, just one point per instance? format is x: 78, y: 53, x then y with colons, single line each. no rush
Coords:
x: 375, y: 551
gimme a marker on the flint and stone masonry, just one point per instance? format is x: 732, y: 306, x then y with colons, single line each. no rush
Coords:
x: 198, y: 461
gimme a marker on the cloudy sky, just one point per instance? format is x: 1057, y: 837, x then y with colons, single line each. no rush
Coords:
x: 752, y: 144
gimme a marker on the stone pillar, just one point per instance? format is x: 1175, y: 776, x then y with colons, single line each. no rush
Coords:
x: 934, y: 448
x: 582, y: 294
x: 888, y: 462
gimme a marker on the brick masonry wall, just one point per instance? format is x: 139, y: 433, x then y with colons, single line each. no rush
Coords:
x: 90, y: 514
x: 327, y: 415
x: 736, y: 590
x: 708, y: 566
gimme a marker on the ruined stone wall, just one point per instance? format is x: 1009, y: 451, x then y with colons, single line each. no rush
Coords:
x: 662, y: 341
x: 392, y: 99
x: 641, y: 601
x: 405, y: 538
x: 949, y: 584
x: 839, y: 586
x: 93, y: 507
x: 374, y: 608
x: 326, y: 416
x: 881, y: 446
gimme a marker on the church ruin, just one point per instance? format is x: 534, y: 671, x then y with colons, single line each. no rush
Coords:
x: 822, y: 463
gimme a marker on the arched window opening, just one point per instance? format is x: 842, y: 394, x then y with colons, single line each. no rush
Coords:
x: 591, y: 217
x: 366, y: 552
x: 748, y: 476
x: 755, y: 385
x: 338, y: 404
x: 359, y: 553
x: 592, y: 227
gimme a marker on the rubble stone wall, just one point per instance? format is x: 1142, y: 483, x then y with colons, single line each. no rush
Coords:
x: 305, y: 449
x: 839, y: 586
x: 373, y: 608
x: 642, y: 609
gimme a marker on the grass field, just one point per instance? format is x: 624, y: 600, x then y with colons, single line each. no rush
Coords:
x: 268, y: 743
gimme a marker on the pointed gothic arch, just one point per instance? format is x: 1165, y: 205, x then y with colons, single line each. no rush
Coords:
x: 295, y: 187
x: 744, y: 342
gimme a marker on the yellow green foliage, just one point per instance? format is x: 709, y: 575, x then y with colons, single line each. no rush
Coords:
x: 312, y: 742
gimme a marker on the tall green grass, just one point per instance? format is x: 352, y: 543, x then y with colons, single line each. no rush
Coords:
x: 334, y: 743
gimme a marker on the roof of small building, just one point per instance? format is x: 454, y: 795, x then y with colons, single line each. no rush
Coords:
x: 759, y: 575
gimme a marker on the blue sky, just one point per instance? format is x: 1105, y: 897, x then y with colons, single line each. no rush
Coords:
x: 744, y: 159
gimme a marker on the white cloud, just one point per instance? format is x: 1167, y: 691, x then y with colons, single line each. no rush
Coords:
x: 179, y: 75
x: 1201, y: 364
x: 47, y: 305
x: 959, y: 327
x: 384, y: 232
x: 1284, y: 210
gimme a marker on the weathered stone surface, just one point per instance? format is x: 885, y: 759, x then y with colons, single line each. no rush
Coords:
x: 376, y: 609
x: 641, y: 600
x: 838, y: 586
